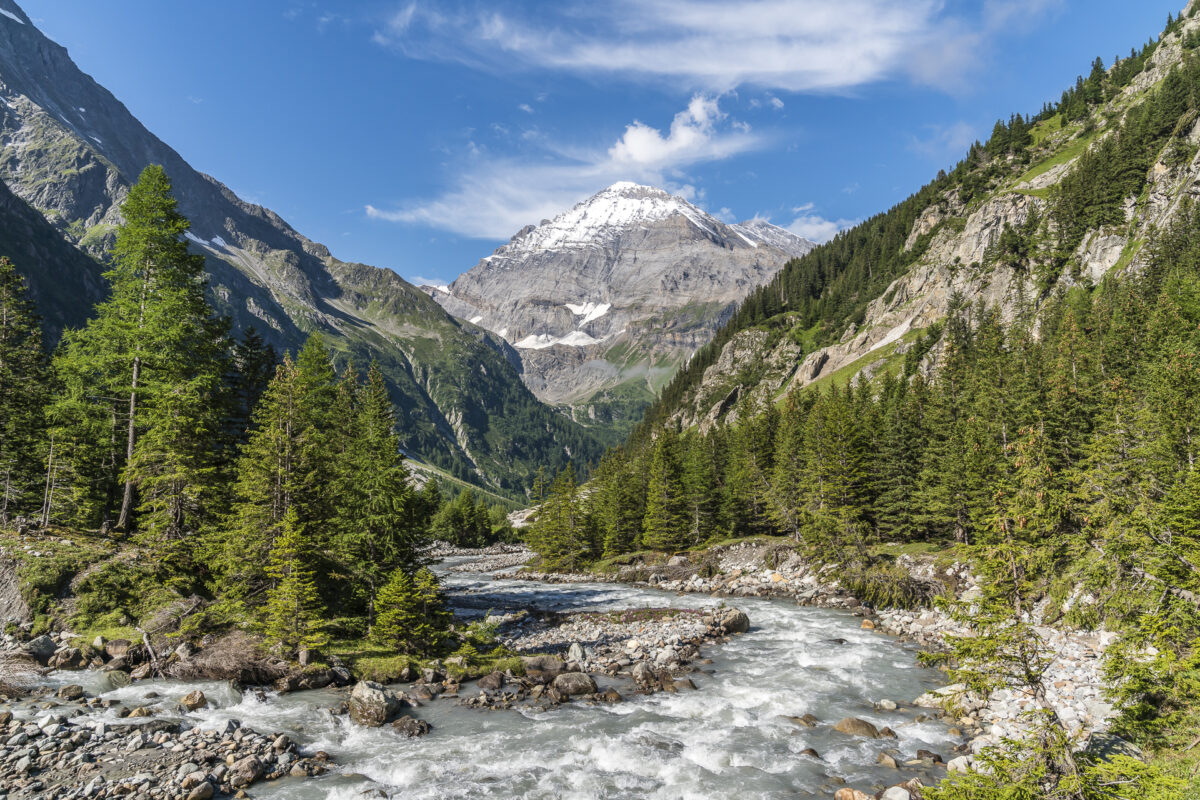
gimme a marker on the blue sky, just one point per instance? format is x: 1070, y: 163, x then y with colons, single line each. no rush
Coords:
x: 421, y: 135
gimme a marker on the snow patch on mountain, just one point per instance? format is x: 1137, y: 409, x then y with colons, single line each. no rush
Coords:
x: 12, y: 16
x: 589, y: 311
x: 763, y: 232
x: 541, y: 341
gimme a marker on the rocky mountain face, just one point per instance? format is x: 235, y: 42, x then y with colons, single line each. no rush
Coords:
x: 604, y: 302
x: 63, y: 281
x: 953, y: 249
x: 70, y: 150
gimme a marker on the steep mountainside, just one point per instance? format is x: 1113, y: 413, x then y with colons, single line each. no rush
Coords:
x: 64, y: 282
x: 70, y: 149
x: 604, y: 302
x: 1037, y: 209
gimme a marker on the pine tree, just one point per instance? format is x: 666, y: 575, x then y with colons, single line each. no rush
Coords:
x: 412, y: 616
x: 156, y: 336
x: 374, y: 495
x: 563, y: 533
x: 24, y: 392
x: 293, y: 610
x: 666, y: 525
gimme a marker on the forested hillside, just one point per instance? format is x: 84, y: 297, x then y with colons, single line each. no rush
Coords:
x: 1042, y: 431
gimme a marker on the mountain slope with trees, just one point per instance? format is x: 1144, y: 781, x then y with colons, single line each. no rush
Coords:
x: 71, y: 150
x: 1016, y: 350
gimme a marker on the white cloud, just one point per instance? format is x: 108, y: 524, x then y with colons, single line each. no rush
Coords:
x: 776, y: 103
x: 714, y: 45
x: 492, y: 198
x: 814, y: 227
x: 941, y: 142
x: 1018, y: 14
x: 528, y: 109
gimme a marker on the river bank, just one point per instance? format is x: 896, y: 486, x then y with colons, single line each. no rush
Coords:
x: 745, y: 729
x: 771, y: 570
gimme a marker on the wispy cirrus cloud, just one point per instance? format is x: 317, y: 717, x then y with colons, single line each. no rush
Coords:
x: 492, y: 198
x: 712, y: 45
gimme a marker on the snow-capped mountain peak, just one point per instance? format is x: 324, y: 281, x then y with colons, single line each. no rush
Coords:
x: 605, y: 215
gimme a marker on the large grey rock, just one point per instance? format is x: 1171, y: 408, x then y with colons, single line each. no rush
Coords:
x: 373, y: 704
x: 735, y: 620
x: 574, y: 683
x: 41, y: 649
x: 548, y: 665
x: 245, y: 771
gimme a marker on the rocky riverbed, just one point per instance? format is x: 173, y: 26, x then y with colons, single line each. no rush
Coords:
x: 750, y: 569
x: 604, y: 700
x: 66, y: 743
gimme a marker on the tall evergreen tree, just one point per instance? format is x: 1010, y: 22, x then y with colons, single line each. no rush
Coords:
x: 155, y: 338
x: 24, y: 392
x: 666, y: 525
x: 293, y: 610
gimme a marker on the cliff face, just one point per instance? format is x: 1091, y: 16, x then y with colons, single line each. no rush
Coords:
x: 956, y: 245
x: 69, y: 149
x: 604, y: 302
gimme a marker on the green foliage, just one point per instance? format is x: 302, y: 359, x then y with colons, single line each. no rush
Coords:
x: 465, y: 521
x: 1043, y: 767
x: 412, y: 617
x: 142, y: 382
x: 24, y: 392
x: 293, y: 610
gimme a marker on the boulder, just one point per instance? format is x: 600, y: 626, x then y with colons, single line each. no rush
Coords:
x: 575, y: 652
x: 245, y: 772
x: 574, y: 683
x: 41, y: 649
x: 372, y: 704
x: 116, y: 679
x: 960, y: 764
x: 410, y: 726
x: 644, y: 675
x: 493, y: 681
x: 853, y: 726
x: 202, y: 791
x: 194, y: 700
x: 117, y: 647
x: 887, y: 761
x: 896, y: 793
x: 72, y: 691
x: 735, y: 620
x: 550, y: 665
x: 846, y: 793
x: 70, y: 658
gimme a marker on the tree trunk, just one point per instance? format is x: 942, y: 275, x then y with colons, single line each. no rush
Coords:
x: 48, y: 494
x: 127, y: 500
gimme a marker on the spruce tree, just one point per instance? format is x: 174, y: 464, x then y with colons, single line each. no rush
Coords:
x: 24, y: 391
x: 155, y: 337
x: 293, y: 613
x: 375, y: 495
x: 666, y: 526
x: 412, y: 616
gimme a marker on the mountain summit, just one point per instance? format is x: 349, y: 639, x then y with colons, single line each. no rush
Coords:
x: 606, y: 300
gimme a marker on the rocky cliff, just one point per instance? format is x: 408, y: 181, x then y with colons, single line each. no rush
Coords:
x: 605, y: 301
x: 69, y: 149
x: 953, y: 254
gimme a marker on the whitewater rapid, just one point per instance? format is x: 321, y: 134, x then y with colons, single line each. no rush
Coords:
x: 728, y: 739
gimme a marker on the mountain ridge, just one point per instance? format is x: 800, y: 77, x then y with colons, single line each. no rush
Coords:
x: 70, y: 149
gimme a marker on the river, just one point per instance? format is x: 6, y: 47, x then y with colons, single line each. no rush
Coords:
x: 728, y: 739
